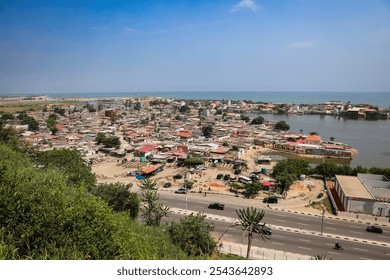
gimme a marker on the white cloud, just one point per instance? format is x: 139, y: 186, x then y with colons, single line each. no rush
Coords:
x: 245, y: 4
x: 301, y: 45
x: 129, y: 29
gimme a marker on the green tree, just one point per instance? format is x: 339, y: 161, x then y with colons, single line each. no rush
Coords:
x: 108, y: 141
x: 207, y: 130
x: 32, y: 123
x: 252, y: 190
x: 192, y: 235
x: 327, y: 169
x: 245, y: 118
x: 257, y: 120
x: 184, y: 109
x: 70, y: 163
x: 282, y: 125
x: 152, y: 210
x: 118, y: 197
x: 250, y: 221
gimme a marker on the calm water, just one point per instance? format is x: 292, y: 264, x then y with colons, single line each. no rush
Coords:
x: 374, y: 98
x: 370, y: 138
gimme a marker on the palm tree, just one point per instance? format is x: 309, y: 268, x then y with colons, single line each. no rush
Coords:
x: 153, y: 211
x: 250, y: 220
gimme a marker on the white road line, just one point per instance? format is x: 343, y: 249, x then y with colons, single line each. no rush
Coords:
x: 331, y: 228
x: 305, y: 248
x: 364, y: 258
x: 275, y: 235
x: 360, y: 249
x: 355, y: 227
x: 277, y: 243
x: 305, y: 240
x: 331, y: 252
x: 357, y: 232
x: 280, y: 220
x: 302, y: 224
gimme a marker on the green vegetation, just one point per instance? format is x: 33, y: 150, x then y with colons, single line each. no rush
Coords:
x: 192, y: 235
x: 108, y: 141
x: 30, y: 121
x: 250, y: 221
x: 282, y: 125
x: 207, y: 131
x: 257, y: 120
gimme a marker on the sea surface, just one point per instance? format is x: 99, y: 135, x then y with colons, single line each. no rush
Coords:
x: 292, y: 97
x: 370, y: 138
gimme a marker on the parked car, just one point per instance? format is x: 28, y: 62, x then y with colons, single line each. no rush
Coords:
x: 219, y: 176
x: 177, y: 176
x: 182, y: 191
x: 201, y: 167
x: 237, y: 171
x: 167, y: 185
x: 374, y: 229
x: 270, y: 199
x: 226, y: 177
x: 233, y: 178
x: 217, y: 205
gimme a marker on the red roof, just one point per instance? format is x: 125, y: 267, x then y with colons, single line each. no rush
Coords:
x: 147, y: 148
x: 151, y: 169
x: 184, y: 134
x: 313, y: 138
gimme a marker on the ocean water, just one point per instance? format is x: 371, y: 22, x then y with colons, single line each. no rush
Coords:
x: 373, y: 98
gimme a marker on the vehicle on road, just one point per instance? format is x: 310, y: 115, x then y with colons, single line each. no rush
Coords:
x: 267, y: 230
x: 177, y: 176
x: 181, y: 191
x: 270, y: 199
x: 337, y: 246
x: 167, y: 185
x: 375, y: 229
x: 217, y: 205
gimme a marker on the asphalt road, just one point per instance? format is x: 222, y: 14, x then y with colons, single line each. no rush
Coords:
x: 292, y: 232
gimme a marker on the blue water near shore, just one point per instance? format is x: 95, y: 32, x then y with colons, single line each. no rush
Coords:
x: 292, y: 97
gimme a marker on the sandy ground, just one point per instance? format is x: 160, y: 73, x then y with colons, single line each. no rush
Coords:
x: 298, y: 198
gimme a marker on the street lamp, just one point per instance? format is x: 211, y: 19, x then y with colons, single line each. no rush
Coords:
x: 322, y: 220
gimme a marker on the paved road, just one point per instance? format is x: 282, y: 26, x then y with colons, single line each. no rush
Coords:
x: 297, y: 233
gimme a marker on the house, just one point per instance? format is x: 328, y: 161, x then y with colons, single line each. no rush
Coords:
x: 145, y: 150
x: 313, y: 139
x: 152, y: 170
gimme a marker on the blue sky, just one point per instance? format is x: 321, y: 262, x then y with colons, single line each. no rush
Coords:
x: 214, y: 45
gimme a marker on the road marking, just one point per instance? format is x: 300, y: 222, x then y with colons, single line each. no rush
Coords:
x: 280, y: 220
x: 305, y: 248
x: 364, y: 258
x: 331, y: 252
x: 275, y: 235
x: 277, y: 243
x: 355, y: 227
x: 360, y: 249
x: 331, y: 228
x: 303, y: 224
x: 357, y: 232
x: 306, y: 240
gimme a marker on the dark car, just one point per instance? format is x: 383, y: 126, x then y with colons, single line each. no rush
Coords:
x: 237, y: 171
x: 177, y: 176
x: 226, y: 177
x: 182, y: 191
x: 167, y: 185
x: 270, y: 199
x: 219, y: 176
x: 374, y: 229
x: 217, y: 205
x: 267, y: 230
